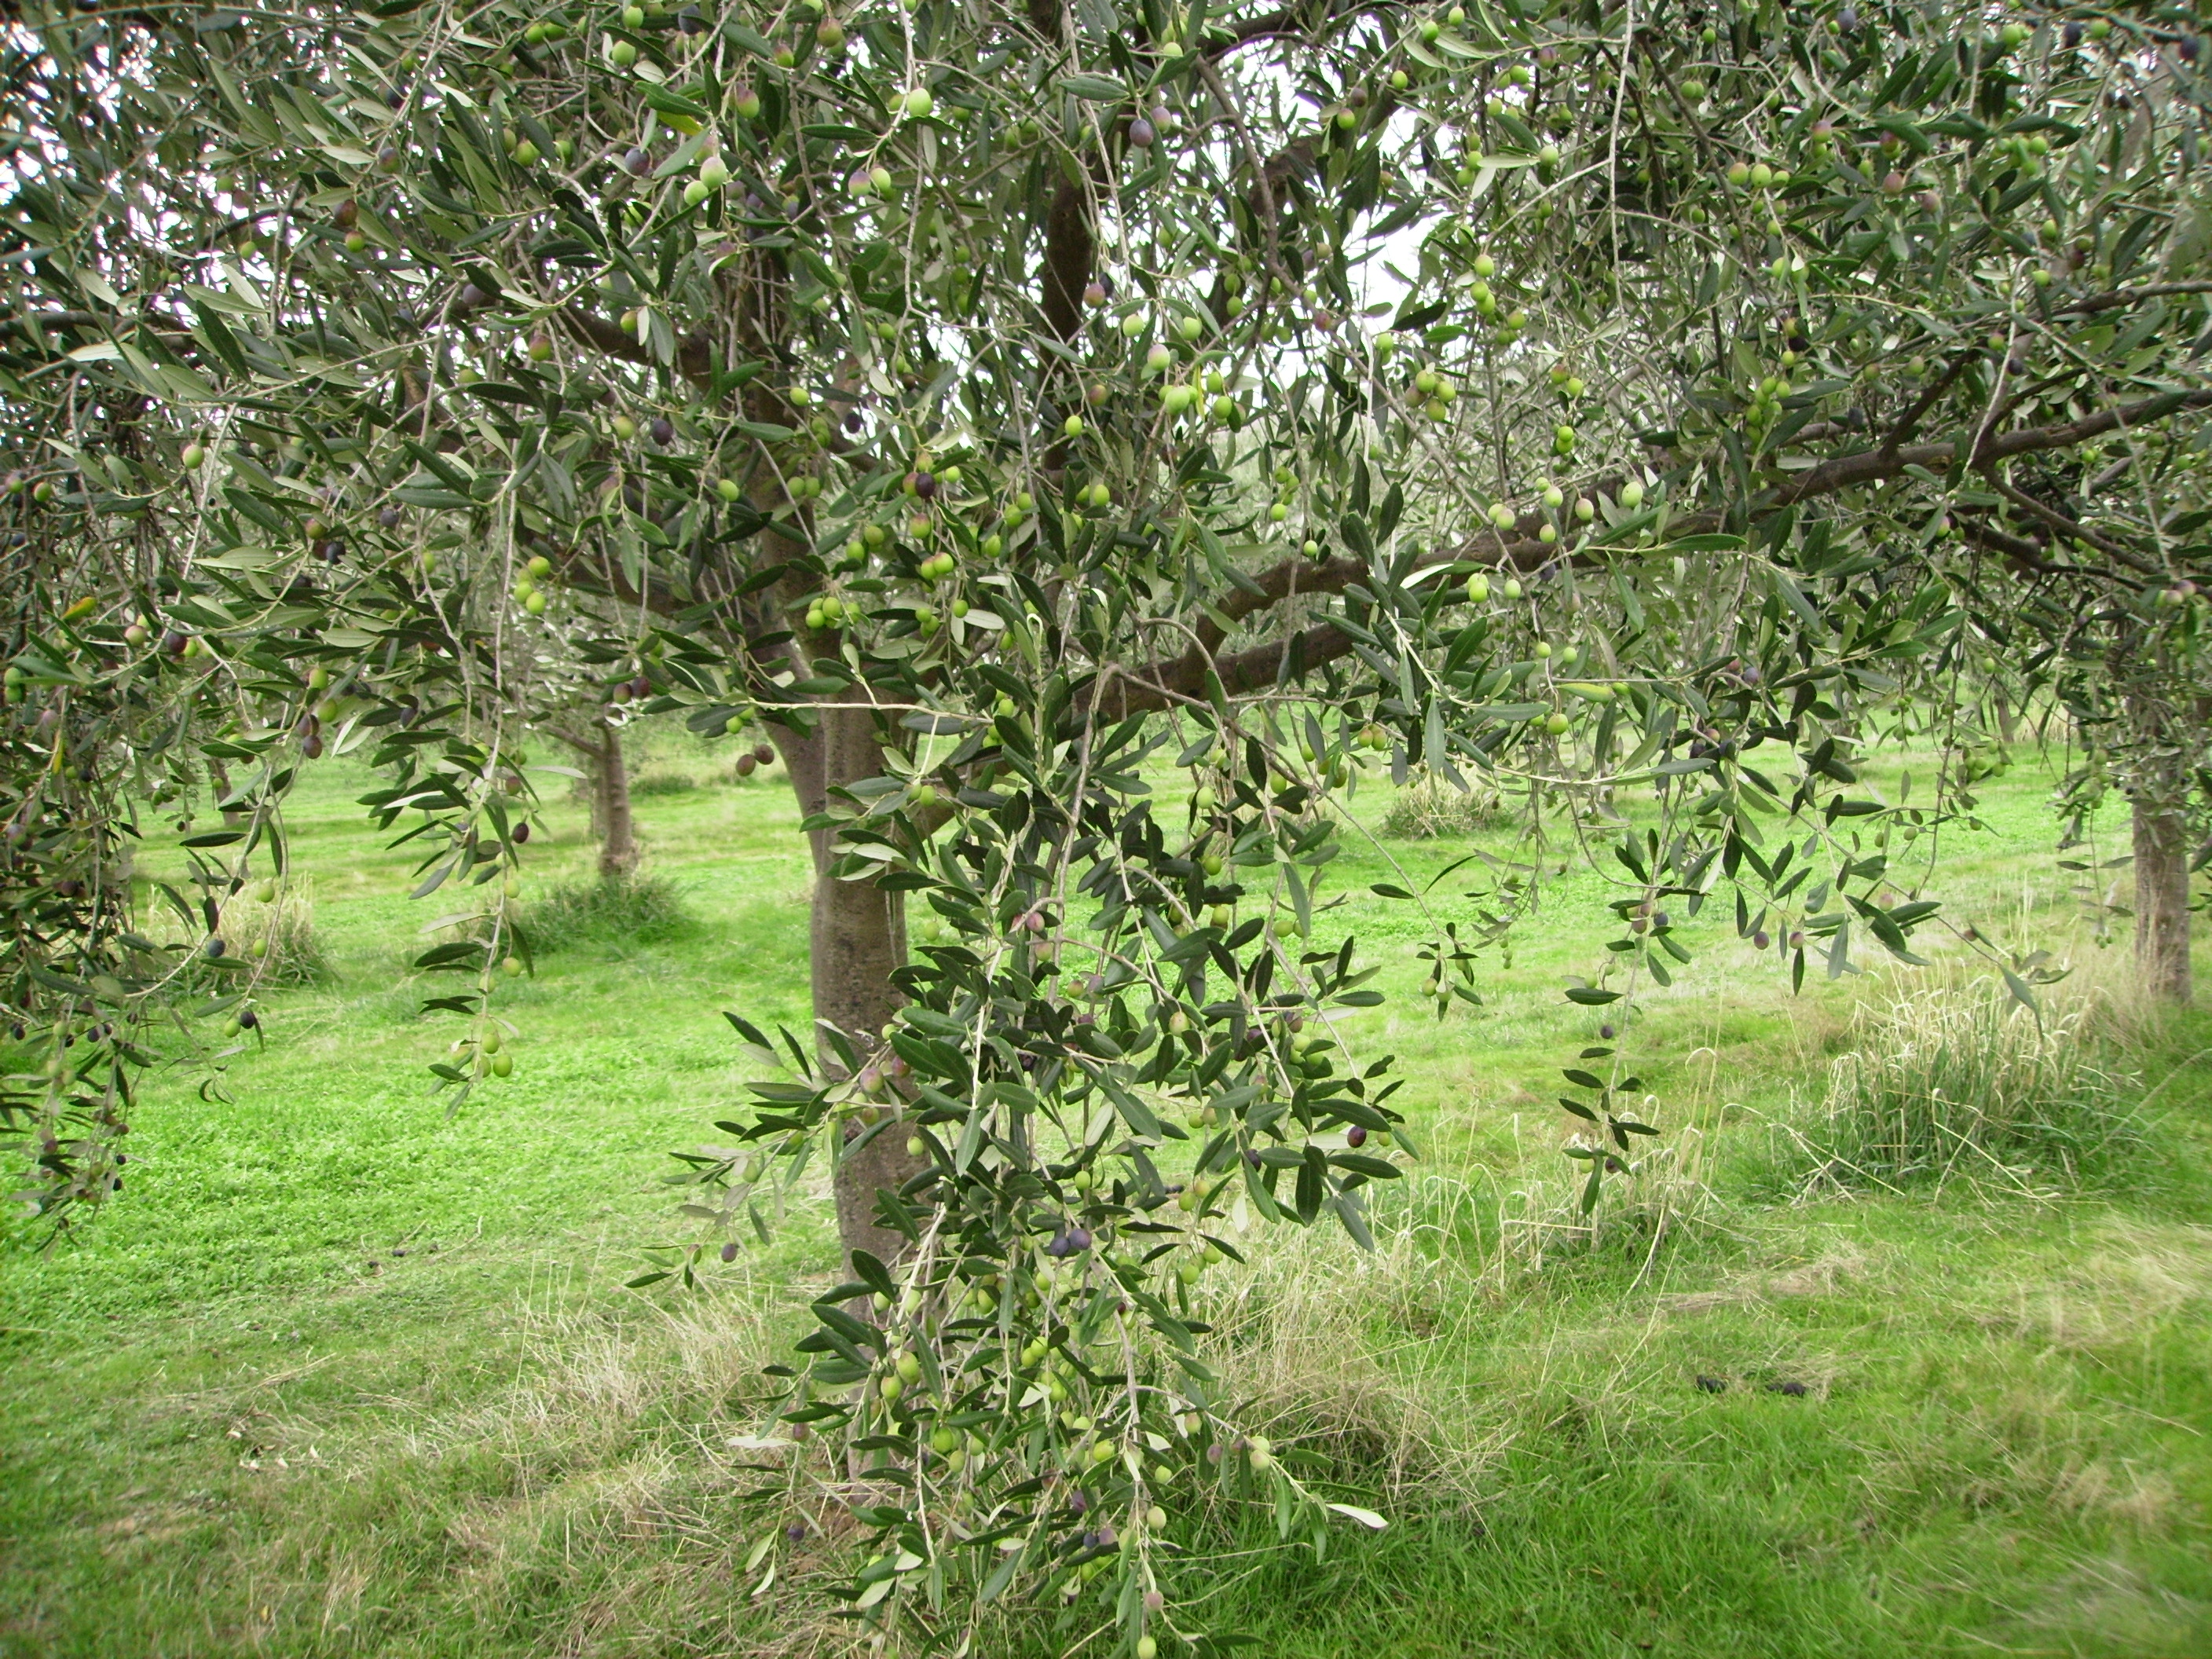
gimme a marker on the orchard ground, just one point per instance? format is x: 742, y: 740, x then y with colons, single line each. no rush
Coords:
x: 342, y: 1373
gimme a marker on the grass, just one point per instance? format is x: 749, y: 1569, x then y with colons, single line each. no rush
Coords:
x: 344, y: 1376
x: 621, y: 910
x: 1955, y: 1081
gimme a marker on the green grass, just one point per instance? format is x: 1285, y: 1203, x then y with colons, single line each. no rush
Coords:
x: 346, y: 1375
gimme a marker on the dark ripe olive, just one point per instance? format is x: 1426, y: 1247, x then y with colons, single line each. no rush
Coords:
x: 1141, y: 134
x: 638, y: 163
x: 521, y: 834
x: 389, y: 517
x: 730, y: 1254
x: 664, y: 431
x: 1760, y: 940
x: 332, y: 550
x: 173, y: 643
x: 1847, y: 21
x: 215, y: 947
x: 471, y: 297
x: 247, y: 1019
x: 764, y: 753
x: 925, y: 485
x: 2072, y: 35
x: 1605, y: 1032
x: 1355, y: 1136
x: 640, y: 687
x: 747, y: 766
x: 2188, y: 48
x: 348, y: 215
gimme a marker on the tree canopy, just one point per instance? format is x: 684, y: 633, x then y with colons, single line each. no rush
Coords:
x: 1637, y: 407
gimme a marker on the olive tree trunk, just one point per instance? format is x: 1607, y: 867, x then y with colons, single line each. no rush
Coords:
x: 611, y: 813
x: 2161, y: 867
x: 606, y: 788
x: 856, y: 937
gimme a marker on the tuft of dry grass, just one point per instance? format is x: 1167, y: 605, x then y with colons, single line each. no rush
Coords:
x: 1955, y: 1080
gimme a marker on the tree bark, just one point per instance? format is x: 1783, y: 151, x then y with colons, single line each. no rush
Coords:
x: 2161, y: 866
x: 606, y: 788
x: 857, y: 939
x: 616, y: 829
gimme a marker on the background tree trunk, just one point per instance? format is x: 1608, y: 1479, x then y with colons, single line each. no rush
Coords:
x: 606, y: 789
x: 610, y: 812
x: 2161, y: 866
x: 857, y: 936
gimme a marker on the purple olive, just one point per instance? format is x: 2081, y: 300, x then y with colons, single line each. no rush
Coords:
x: 1356, y: 1136
x: 730, y: 1254
x: 1141, y: 133
x: 1759, y: 941
x: 638, y: 163
x: 521, y: 834
x: 664, y: 431
x: 247, y: 1019
x: 1605, y: 1032
x: 925, y: 485
x: 215, y: 947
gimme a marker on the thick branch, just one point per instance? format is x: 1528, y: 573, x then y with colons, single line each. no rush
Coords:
x: 2127, y: 296
x: 1070, y: 248
x: 1176, y: 678
x: 693, y: 356
x: 1291, y: 20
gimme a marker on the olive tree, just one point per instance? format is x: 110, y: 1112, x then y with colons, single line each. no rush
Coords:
x: 1623, y: 403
